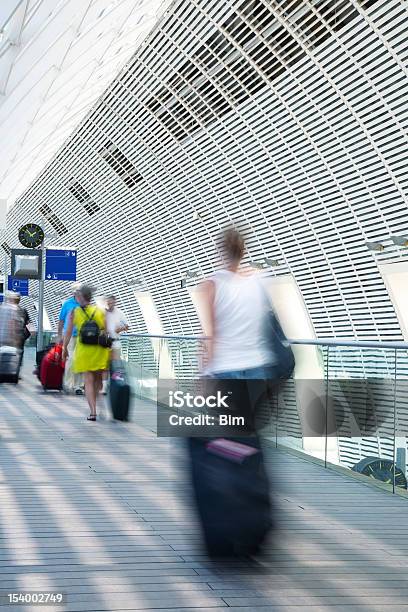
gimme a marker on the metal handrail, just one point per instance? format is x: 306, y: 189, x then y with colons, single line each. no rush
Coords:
x: 165, y: 336
x: 353, y: 343
x: 306, y: 341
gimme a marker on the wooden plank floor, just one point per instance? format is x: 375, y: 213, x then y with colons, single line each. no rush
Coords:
x: 102, y: 513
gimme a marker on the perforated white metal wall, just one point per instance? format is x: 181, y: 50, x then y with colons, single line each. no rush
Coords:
x: 288, y: 116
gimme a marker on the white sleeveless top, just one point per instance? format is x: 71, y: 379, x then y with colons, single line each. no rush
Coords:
x: 240, y: 307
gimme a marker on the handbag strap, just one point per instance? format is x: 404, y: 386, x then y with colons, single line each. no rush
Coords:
x: 87, y: 315
x: 90, y: 318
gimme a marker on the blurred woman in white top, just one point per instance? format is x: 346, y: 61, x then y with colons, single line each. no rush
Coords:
x: 236, y: 304
x: 116, y: 323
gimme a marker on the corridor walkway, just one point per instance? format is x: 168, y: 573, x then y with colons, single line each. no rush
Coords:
x: 101, y: 512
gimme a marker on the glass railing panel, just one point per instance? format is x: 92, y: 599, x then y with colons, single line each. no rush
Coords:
x: 186, y: 357
x: 282, y: 415
x: 299, y: 404
x: 355, y: 415
x: 142, y: 357
x: 401, y: 419
x: 345, y: 405
x: 48, y: 337
x: 361, y: 404
x: 150, y: 359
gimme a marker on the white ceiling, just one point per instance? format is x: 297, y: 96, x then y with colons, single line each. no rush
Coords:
x: 56, y: 58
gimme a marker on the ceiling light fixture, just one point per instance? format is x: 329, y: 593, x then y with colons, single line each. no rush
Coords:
x: 257, y: 264
x: 130, y: 282
x: 374, y: 246
x: 188, y: 274
x: 400, y: 241
x: 272, y: 262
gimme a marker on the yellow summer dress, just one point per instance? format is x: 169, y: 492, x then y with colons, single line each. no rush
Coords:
x: 89, y: 357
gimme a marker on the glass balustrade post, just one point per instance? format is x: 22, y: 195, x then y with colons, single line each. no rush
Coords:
x: 177, y: 367
x: 142, y: 360
x: 394, y: 452
x: 162, y: 341
x: 137, y: 345
x: 326, y: 405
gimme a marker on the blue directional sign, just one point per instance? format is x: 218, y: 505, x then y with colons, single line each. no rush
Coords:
x: 19, y: 285
x: 60, y: 265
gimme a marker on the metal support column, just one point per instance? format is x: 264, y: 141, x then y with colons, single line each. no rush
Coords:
x: 40, y: 325
x: 5, y: 265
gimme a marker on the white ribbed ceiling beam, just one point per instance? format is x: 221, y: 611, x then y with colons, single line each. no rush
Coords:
x: 12, y: 21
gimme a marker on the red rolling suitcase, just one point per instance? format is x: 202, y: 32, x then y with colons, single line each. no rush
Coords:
x: 52, y: 369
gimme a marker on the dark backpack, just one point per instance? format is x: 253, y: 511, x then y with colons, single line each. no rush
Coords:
x: 90, y: 331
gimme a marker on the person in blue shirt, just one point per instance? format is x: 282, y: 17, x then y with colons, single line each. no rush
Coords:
x: 73, y: 383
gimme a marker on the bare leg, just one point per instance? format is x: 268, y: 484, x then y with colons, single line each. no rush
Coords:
x: 90, y: 391
x: 105, y: 377
x: 98, y: 382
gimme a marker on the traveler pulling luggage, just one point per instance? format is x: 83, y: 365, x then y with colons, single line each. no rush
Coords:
x: 244, y: 343
x: 91, y: 355
x: 119, y: 392
x: 9, y: 364
x: 10, y: 340
x: 52, y: 369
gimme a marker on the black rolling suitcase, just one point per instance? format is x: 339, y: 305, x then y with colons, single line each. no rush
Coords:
x: 9, y: 364
x: 119, y: 392
x: 231, y: 488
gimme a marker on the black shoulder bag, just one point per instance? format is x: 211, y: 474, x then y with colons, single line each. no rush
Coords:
x: 278, y: 343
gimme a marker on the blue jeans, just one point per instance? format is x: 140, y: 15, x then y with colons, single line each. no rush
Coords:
x: 260, y: 373
x: 258, y: 384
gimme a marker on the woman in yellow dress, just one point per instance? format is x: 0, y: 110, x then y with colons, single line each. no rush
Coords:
x: 90, y: 359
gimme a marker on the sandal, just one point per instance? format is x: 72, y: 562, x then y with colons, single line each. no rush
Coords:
x: 92, y: 417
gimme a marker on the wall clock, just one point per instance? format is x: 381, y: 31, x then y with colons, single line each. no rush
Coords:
x: 381, y: 469
x: 31, y: 235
